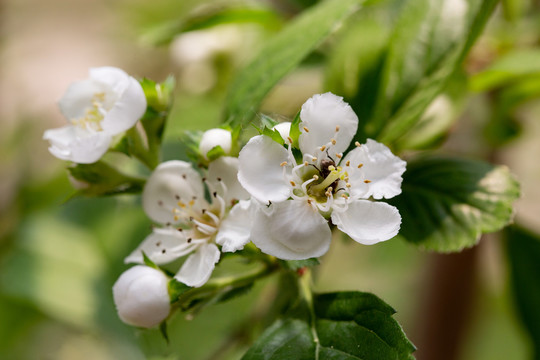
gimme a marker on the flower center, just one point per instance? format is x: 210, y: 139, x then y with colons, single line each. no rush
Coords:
x: 93, y: 115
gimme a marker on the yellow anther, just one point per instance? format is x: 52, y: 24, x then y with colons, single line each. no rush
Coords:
x: 339, y: 156
x: 344, y: 196
x: 360, y: 165
x: 176, y: 217
x: 348, y: 163
x: 283, y: 163
x: 181, y: 204
x: 293, y: 183
x: 316, y: 177
x: 348, y: 185
x: 191, y: 202
x: 323, y: 148
x: 306, y: 163
x: 339, y: 168
x: 331, y: 168
x: 333, y: 141
x: 357, y: 144
x: 314, y: 159
x: 337, y: 128
x: 306, y: 129
x: 290, y: 139
x: 367, y: 181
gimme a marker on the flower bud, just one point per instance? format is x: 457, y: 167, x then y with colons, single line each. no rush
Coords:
x: 214, y: 137
x: 141, y: 296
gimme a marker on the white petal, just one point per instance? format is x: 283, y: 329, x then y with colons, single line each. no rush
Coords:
x: 141, y: 296
x: 292, y: 230
x: 171, y: 182
x: 321, y: 114
x: 380, y: 167
x: 284, y: 130
x: 260, y: 172
x: 128, y: 108
x: 76, y: 144
x: 78, y: 97
x: 199, y: 266
x: 162, y: 246
x: 214, y: 137
x: 226, y: 169
x: 368, y: 222
x: 234, y: 231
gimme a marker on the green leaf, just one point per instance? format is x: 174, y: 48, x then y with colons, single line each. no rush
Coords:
x: 346, y: 325
x: 447, y: 203
x: 524, y: 254
x: 100, y: 179
x: 513, y: 66
x: 210, y: 16
x: 281, y: 55
x: 427, y: 46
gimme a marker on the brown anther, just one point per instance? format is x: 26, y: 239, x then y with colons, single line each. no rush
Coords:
x: 158, y: 243
x: 306, y: 129
x: 218, y: 179
x: 290, y: 139
x: 184, y: 176
x: 163, y: 251
x: 323, y: 148
x: 293, y: 183
x: 214, y: 194
x: 309, y: 201
x: 177, y: 197
x: 191, y: 218
x: 339, y: 156
x: 283, y: 163
x: 367, y: 181
x: 189, y: 240
x: 160, y: 203
x: 203, y: 211
x: 337, y: 128
x: 180, y: 229
x: 348, y: 163
x: 360, y: 165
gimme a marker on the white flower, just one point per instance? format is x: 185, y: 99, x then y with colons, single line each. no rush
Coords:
x: 174, y: 196
x: 301, y: 198
x: 106, y: 104
x: 141, y: 296
x: 215, y: 137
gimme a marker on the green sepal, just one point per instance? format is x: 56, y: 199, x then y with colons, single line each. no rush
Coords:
x: 148, y: 262
x: 298, y: 264
x: 214, y: 153
x: 295, y: 130
x: 176, y: 288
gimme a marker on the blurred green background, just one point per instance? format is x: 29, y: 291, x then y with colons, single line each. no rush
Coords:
x: 59, y: 258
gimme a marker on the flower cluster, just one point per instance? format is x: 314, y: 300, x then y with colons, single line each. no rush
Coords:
x: 284, y: 196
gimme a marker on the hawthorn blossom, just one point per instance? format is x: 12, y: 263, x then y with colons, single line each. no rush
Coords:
x: 141, y: 296
x: 106, y: 104
x: 301, y: 198
x: 174, y: 197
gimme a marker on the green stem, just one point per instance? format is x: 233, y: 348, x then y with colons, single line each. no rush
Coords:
x: 223, y: 284
x: 304, y: 285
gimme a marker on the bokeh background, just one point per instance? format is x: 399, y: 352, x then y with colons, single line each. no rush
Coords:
x: 60, y: 257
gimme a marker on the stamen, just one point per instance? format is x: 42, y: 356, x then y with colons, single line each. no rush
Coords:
x: 323, y: 148
x: 293, y: 183
x: 315, y: 177
x: 348, y: 185
x: 283, y: 163
x: 339, y: 156
x: 337, y: 128
x: 360, y: 165
x: 176, y: 218
x: 306, y: 129
x: 357, y: 144
x: 306, y: 163
x: 177, y: 197
x: 184, y: 176
x: 290, y: 139
x: 314, y: 159
x: 213, y: 216
x: 333, y: 141
x: 348, y: 163
x: 367, y: 181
